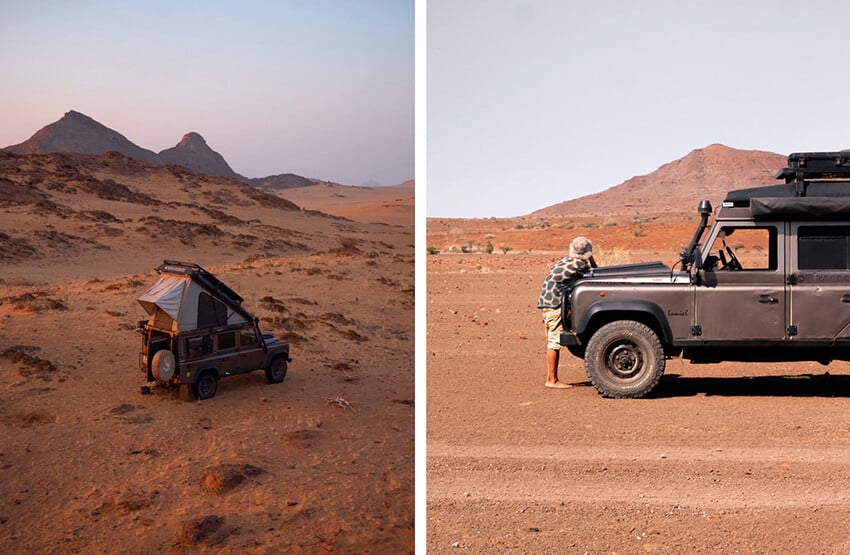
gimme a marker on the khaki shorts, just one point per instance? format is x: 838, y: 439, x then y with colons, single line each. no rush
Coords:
x: 554, y: 327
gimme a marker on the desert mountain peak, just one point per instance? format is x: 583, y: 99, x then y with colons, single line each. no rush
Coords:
x: 192, y: 140
x: 192, y: 152
x: 77, y: 132
x: 703, y: 173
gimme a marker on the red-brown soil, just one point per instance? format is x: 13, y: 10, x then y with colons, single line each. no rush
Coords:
x: 322, y: 462
x: 727, y: 458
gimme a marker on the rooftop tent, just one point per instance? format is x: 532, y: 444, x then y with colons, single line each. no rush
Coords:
x: 187, y: 298
x: 166, y: 294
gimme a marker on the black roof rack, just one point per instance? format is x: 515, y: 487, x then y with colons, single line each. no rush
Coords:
x: 803, y: 166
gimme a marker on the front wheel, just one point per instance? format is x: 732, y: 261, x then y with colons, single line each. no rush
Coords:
x: 624, y: 359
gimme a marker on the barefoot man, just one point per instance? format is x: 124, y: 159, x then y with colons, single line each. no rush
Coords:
x: 559, y: 280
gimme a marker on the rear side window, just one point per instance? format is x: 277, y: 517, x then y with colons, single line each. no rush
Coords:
x: 227, y: 340
x: 823, y: 247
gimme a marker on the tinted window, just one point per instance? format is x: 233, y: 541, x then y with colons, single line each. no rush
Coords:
x: 248, y: 338
x: 823, y: 248
x: 211, y: 312
x: 227, y: 340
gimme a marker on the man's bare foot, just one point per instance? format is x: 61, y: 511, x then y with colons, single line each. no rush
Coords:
x: 558, y: 385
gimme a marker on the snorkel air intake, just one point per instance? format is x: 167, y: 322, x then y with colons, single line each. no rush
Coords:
x: 705, y: 211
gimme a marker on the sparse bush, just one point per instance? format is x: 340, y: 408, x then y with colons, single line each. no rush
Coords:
x: 433, y: 250
x: 505, y: 249
x: 489, y: 247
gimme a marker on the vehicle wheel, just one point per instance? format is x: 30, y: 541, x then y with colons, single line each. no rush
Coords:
x: 624, y: 359
x: 277, y: 370
x: 162, y: 365
x: 206, y: 385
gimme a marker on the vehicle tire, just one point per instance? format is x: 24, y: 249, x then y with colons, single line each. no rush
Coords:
x: 624, y: 359
x: 276, y: 371
x: 163, y: 365
x: 206, y: 386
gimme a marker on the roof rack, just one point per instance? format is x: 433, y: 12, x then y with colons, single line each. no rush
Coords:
x: 814, y: 165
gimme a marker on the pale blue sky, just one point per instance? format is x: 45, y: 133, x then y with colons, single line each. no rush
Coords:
x: 321, y: 88
x: 534, y: 102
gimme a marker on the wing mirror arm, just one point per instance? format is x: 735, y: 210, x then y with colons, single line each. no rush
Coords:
x: 696, y: 266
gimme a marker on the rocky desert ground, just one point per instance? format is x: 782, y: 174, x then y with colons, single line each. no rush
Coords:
x: 322, y: 462
x: 727, y: 458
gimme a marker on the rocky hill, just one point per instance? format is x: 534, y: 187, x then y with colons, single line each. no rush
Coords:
x: 80, y: 134
x: 705, y: 173
x: 77, y: 133
x: 283, y: 181
x: 192, y: 152
x: 61, y: 207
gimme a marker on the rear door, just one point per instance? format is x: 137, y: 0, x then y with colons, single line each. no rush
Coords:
x: 819, y: 277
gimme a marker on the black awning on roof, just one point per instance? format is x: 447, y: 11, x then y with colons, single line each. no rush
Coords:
x: 801, y: 207
x: 829, y: 189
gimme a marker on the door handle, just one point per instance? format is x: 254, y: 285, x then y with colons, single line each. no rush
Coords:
x: 774, y: 300
x: 845, y: 299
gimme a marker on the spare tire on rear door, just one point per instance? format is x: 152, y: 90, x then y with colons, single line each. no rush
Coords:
x: 162, y: 365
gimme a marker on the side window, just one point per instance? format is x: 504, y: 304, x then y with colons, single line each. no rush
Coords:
x: 227, y: 340
x: 754, y: 248
x: 247, y: 338
x: 211, y: 312
x: 823, y: 247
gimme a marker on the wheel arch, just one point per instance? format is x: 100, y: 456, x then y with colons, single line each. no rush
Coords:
x: 603, y: 312
x: 203, y: 369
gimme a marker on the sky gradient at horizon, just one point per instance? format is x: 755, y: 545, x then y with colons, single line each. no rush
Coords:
x: 323, y: 88
x: 531, y: 103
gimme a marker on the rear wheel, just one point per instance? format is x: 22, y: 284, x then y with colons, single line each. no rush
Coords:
x: 624, y: 359
x: 206, y: 386
x: 276, y: 370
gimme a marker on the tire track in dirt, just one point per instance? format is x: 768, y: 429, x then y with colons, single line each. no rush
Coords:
x: 698, y: 477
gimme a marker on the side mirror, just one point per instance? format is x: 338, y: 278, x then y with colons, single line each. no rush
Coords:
x: 696, y: 266
x: 697, y: 258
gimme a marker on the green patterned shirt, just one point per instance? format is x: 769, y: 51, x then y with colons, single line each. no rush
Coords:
x: 560, y: 278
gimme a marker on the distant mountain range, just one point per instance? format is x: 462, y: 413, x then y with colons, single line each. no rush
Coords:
x: 704, y: 173
x: 78, y: 133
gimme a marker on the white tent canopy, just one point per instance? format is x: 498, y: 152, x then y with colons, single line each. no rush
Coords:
x: 178, y: 303
x: 166, y: 294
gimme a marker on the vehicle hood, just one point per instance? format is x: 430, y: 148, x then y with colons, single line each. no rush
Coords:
x: 643, y: 271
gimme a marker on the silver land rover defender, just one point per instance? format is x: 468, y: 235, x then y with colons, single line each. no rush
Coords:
x: 770, y: 282
x: 198, y: 332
